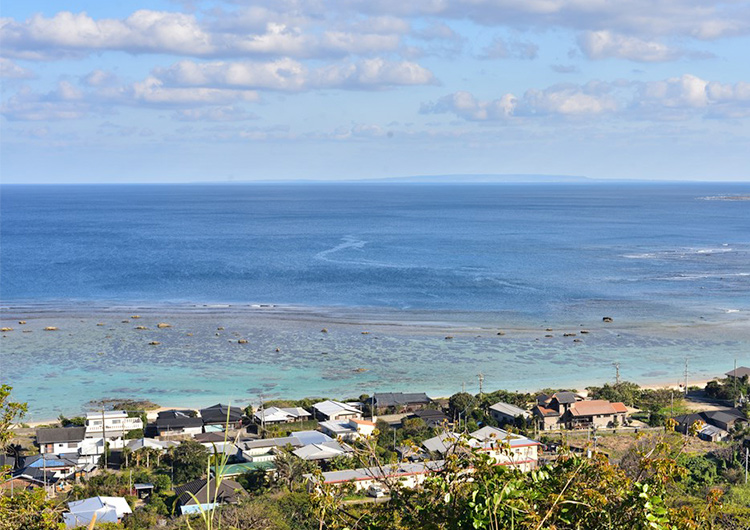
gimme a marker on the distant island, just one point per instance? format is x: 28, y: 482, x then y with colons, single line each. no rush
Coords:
x: 515, y: 178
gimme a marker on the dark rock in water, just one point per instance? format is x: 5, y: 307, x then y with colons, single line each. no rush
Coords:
x: 449, y: 337
x: 501, y: 333
x: 569, y: 334
x: 607, y: 319
x: 324, y: 330
x: 584, y: 331
x: 242, y: 341
x: 154, y: 343
x: 577, y: 340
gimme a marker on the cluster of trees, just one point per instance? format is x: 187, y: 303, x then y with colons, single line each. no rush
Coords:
x: 729, y: 388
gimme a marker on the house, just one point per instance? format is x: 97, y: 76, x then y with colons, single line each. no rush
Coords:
x: 152, y: 443
x: 333, y: 410
x: 275, y: 415
x: 216, y: 442
x: 714, y: 425
x: 399, y: 401
x: 60, y: 440
x: 349, y: 430
x: 504, y: 413
x: 177, y: 423
x: 111, y: 424
x: 204, y: 494
x: 265, y: 450
x: 322, y: 451
x: 50, y: 470
x: 432, y: 418
x: 106, y: 510
x: 409, y: 474
x: 597, y: 413
x: 218, y: 415
x: 71, y: 443
x: 739, y: 373
x: 504, y: 448
x: 566, y: 410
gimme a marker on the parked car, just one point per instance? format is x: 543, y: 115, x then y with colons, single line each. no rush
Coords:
x: 376, y: 491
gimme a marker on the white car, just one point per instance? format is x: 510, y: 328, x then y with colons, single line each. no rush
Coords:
x: 376, y: 491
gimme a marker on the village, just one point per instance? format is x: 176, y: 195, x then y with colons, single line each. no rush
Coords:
x: 160, y: 457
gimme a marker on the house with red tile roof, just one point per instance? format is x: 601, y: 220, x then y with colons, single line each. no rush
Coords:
x: 566, y: 410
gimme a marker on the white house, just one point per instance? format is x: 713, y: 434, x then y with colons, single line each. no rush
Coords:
x: 322, y: 451
x: 335, y: 410
x: 281, y: 415
x: 110, y: 424
x: 349, y: 430
x: 409, y: 475
x: 504, y: 448
x: 106, y: 509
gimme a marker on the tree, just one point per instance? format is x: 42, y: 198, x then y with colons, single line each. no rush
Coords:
x: 461, y: 403
x: 290, y: 468
x: 30, y: 510
x: 10, y: 412
x: 189, y: 460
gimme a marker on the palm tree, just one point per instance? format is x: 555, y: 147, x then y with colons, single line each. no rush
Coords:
x: 126, y: 452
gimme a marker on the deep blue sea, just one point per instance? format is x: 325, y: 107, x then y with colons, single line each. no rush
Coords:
x: 530, y: 249
x: 389, y: 270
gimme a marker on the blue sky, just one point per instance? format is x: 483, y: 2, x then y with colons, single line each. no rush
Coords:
x: 180, y: 91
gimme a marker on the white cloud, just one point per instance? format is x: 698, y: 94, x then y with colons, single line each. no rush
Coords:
x: 291, y: 75
x: 69, y: 33
x: 606, y: 45
x: 152, y: 91
x: 10, y: 70
x: 64, y: 103
x: 466, y: 106
x: 676, y: 98
x: 215, y: 114
x: 99, y: 78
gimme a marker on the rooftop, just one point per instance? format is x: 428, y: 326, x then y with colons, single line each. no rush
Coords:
x: 394, y: 399
x: 60, y: 434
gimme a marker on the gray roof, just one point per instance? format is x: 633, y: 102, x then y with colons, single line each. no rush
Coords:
x: 408, y: 468
x: 741, y: 371
x: 510, y: 410
x: 565, y: 397
x: 228, y: 491
x: 394, y: 399
x: 60, y: 434
x: 272, y: 442
x: 220, y: 413
x: 322, y: 451
x: 178, y: 423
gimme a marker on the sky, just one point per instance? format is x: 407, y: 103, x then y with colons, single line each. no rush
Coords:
x: 192, y: 90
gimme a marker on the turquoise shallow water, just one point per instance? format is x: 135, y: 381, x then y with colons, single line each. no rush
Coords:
x: 60, y: 371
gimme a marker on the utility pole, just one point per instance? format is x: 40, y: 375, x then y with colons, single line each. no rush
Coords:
x: 734, y: 374
x: 480, y: 376
x: 463, y: 387
x: 104, y: 440
x: 686, y: 376
x: 617, y: 372
x: 746, y: 455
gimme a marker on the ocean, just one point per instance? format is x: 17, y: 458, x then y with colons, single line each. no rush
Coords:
x: 278, y: 261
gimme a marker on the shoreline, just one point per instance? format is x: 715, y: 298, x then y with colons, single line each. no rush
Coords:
x: 151, y: 414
